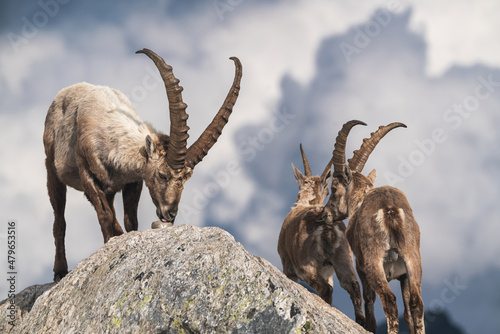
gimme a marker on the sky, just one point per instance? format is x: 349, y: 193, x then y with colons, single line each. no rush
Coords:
x: 308, y: 67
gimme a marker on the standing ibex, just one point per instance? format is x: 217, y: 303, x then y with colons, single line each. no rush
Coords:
x: 96, y: 143
x: 385, y: 238
x: 313, y: 249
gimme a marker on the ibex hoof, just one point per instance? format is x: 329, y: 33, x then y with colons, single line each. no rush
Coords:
x: 160, y: 224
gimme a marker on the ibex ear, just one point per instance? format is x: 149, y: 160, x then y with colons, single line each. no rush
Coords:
x: 348, y: 174
x: 151, y: 149
x: 327, y: 177
x: 298, y: 175
x: 372, y: 176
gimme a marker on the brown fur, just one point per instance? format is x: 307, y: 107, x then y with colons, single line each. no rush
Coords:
x: 385, y: 239
x: 312, y: 249
x: 96, y: 143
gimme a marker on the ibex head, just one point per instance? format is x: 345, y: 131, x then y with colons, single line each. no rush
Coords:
x: 350, y: 187
x: 313, y: 190
x: 169, y: 162
x: 337, y: 206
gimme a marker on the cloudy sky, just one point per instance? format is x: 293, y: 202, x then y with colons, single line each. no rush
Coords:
x: 309, y: 66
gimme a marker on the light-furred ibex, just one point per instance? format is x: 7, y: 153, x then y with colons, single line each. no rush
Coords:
x: 313, y: 249
x: 385, y: 238
x: 96, y: 143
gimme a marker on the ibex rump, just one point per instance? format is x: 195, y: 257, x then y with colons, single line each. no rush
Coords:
x: 96, y: 143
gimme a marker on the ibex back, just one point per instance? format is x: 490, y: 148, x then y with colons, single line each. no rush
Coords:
x: 96, y: 143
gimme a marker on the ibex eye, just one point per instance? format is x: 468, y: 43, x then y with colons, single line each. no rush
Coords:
x: 163, y: 176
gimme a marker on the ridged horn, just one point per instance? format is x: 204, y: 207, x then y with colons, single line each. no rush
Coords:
x: 176, y: 151
x: 338, y: 157
x: 327, y: 168
x: 208, y: 138
x: 307, y: 169
x: 358, y: 160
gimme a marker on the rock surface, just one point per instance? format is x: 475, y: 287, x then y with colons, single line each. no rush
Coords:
x: 23, y: 302
x: 180, y: 280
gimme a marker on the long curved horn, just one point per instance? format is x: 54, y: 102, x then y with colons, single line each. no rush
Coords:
x: 358, y: 160
x: 208, y: 138
x: 176, y: 151
x: 307, y: 169
x: 338, y: 158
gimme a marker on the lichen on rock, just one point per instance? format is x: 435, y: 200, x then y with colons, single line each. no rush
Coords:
x: 181, y: 279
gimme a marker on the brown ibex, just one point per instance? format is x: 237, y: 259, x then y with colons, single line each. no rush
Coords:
x: 313, y: 249
x: 385, y: 238
x: 96, y: 143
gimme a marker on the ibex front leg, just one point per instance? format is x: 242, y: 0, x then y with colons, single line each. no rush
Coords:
x: 343, y: 265
x: 117, y: 229
x: 131, y: 195
x: 96, y: 196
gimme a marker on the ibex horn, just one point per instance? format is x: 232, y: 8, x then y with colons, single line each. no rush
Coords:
x: 307, y: 169
x: 338, y: 158
x: 208, y: 138
x: 176, y: 151
x: 358, y: 160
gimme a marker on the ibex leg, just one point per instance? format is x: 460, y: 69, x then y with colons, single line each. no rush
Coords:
x: 375, y: 275
x: 369, y: 297
x: 99, y: 200
x: 416, y: 304
x: 344, y: 268
x: 322, y: 287
x: 57, y: 194
x: 131, y: 195
x: 117, y: 229
x: 405, y: 291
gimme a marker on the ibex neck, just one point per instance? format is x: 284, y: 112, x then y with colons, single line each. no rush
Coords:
x: 127, y: 154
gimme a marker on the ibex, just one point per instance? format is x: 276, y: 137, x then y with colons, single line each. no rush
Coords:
x: 96, y: 143
x: 313, y: 249
x: 385, y: 238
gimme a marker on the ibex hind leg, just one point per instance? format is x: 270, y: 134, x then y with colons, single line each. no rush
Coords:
x: 405, y: 291
x: 57, y: 195
x: 376, y: 279
x: 369, y: 297
x: 416, y: 303
x: 131, y: 195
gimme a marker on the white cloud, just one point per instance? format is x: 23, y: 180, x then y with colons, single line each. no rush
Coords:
x: 463, y: 33
x: 15, y: 67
